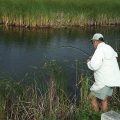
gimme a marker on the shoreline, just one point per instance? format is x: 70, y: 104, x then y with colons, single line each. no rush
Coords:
x: 62, y: 22
x: 58, y: 14
x: 47, y: 26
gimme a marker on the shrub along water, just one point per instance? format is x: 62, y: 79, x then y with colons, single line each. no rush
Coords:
x: 59, y: 13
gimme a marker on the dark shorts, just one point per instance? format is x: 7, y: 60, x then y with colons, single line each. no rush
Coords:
x: 102, y: 93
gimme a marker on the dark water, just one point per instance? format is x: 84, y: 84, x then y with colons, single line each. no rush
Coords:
x: 23, y: 50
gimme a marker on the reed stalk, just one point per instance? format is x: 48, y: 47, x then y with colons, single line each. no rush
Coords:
x: 59, y: 13
x: 48, y: 101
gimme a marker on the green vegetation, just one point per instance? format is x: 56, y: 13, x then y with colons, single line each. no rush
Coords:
x: 59, y: 13
x: 30, y: 103
x: 48, y: 101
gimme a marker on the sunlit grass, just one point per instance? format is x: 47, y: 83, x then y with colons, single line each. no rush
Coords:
x: 59, y: 13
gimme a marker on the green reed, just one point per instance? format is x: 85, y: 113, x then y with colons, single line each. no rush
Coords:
x: 58, y: 13
x: 52, y: 105
x: 29, y: 103
x: 39, y: 100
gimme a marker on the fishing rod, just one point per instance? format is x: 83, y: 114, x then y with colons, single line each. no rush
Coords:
x: 76, y: 80
x: 85, y: 53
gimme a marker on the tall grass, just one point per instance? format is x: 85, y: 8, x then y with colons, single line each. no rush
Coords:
x: 58, y: 13
x: 50, y: 101
x: 28, y: 102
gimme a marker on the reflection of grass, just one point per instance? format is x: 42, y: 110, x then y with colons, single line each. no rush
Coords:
x: 46, y: 101
x: 38, y: 13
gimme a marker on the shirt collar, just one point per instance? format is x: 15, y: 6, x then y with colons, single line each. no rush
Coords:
x: 100, y: 44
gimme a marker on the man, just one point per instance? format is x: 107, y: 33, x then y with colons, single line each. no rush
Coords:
x: 106, y: 72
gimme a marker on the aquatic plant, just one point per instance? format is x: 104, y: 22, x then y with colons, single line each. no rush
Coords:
x: 49, y: 100
x: 59, y: 13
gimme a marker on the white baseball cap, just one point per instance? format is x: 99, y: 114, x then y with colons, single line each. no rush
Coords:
x: 97, y: 36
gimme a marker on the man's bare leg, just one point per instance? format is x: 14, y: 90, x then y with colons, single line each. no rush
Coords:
x: 105, y: 104
x: 94, y: 104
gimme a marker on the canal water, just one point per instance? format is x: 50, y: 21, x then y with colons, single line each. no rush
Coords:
x: 24, y: 51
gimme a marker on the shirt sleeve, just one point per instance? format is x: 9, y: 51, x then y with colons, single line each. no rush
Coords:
x: 116, y: 55
x: 96, y: 61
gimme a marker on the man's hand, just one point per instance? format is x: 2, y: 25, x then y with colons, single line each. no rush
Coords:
x: 90, y: 57
x: 88, y: 60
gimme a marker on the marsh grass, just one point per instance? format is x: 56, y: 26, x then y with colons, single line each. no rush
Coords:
x: 59, y: 13
x: 29, y: 104
x: 48, y: 101
x: 52, y: 105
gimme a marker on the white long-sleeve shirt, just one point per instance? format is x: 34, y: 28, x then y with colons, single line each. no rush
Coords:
x: 105, y: 66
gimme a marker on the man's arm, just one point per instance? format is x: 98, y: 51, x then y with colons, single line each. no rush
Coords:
x: 96, y: 61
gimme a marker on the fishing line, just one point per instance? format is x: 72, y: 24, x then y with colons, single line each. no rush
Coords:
x: 76, y: 80
x: 80, y: 50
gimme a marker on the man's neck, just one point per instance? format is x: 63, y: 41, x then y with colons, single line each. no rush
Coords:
x: 99, y: 43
